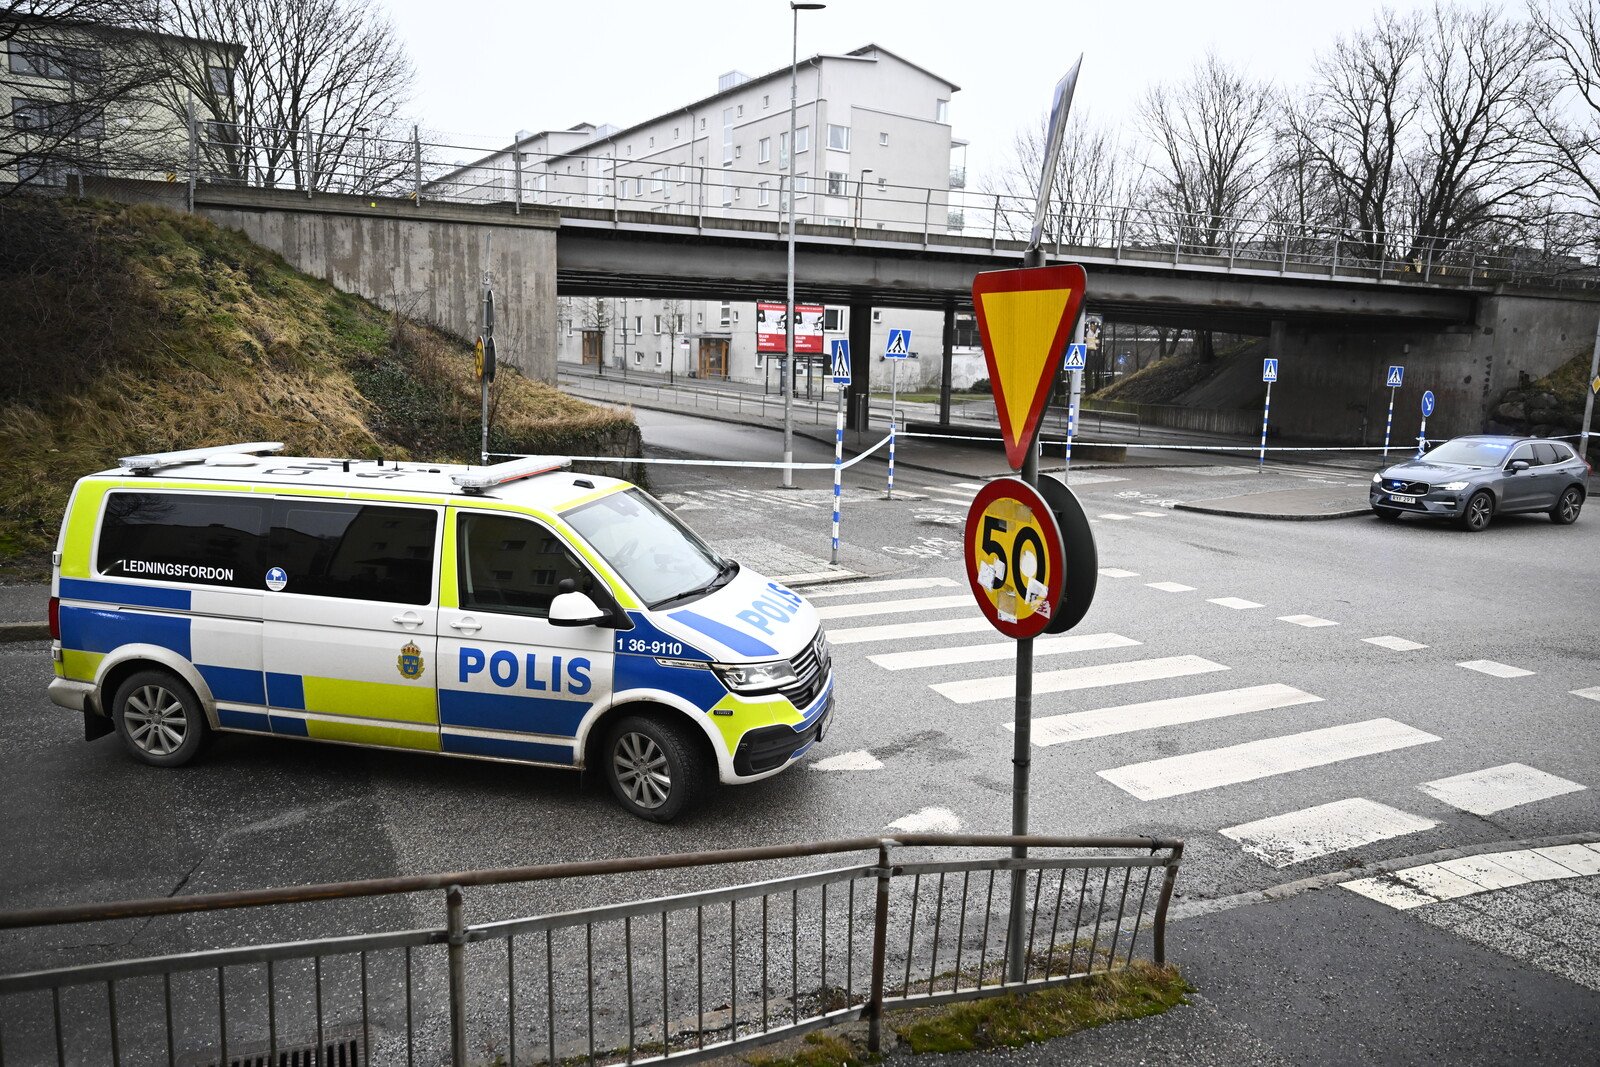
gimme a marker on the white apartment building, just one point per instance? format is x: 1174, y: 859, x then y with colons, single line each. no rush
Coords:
x: 873, y: 149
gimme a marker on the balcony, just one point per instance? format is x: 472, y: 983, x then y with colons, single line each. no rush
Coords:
x: 958, y: 177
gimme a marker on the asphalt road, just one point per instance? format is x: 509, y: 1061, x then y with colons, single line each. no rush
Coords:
x: 1343, y: 721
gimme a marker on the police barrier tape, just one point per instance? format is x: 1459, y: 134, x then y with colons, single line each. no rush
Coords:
x: 1197, y: 448
x: 752, y: 464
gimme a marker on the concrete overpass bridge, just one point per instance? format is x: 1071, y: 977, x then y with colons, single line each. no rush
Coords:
x: 1465, y: 329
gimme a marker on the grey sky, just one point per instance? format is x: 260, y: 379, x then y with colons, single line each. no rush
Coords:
x: 487, y: 69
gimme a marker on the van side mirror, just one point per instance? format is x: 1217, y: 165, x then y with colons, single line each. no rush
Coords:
x: 576, y: 609
x: 1519, y: 465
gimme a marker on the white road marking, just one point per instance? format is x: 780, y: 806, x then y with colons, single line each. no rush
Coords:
x: 1493, y: 789
x: 1085, y: 478
x: 1176, y: 775
x: 1306, y: 620
x: 1592, y: 693
x: 1303, y: 835
x: 1234, y: 602
x: 973, y: 486
x: 1428, y: 883
x: 973, y: 690
x: 1117, y: 572
x: 1113, y: 518
x: 902, y: 631
x: 1170, y: 587
x: 1044, y: 646
x: 1154, y: 714
x: 888, y: 585
x: 1152, y: 514
x: 928, y: 821
x: 894, y: 607
x: 860, y: 760
x: 814, y: 576
x: 906, y: 494
x: 951, y: 494
x: 1209, y: 472
x: 1396, y: 644
x: 1493, y: 669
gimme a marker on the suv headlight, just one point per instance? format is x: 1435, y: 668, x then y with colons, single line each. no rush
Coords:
x: 756, y: 677
x: 1377, y: 478
x: 1453, y: 487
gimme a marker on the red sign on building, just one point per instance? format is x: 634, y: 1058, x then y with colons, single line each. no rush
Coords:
x: 772, y: 329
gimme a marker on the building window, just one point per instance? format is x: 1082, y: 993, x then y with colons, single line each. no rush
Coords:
x: 802, y: 185
x: 838, y: 183
x: 676, y: 132
x: 638, y: 325
x: 802, y: 139
x: 638, y: 358
x: 738, y: 151
x: 699, y: 320
x: 727, y: 195
x: 680, y: 323
x: 741, y: 111
x: 783, y: 150
x: 883, y: 138
x: 220, y: 80
x: 652, y: 142
x: 941, y: 111
x: 657, y: 180
x: 36, y: 60
x: 877, y: 315
x: 763, y: 194
x: 764, y: 150
x: 726, y: 318
x: 833, y: 319
x: 658, y: 357
x: 766, y: 100
x: 702, y: 122
x: 658, y: 325
x: 839, y: 137
x: 630, y: 150
x: 830, y: 221
x: 727, y: 137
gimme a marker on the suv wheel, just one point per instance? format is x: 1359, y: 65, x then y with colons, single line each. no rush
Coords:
x: 1565, y: 513
x: 653, y: 767
x: 1479, y: 510
x: 159, y: 719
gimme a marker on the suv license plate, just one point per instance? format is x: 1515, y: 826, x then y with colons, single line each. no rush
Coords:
x: 1398, y: 499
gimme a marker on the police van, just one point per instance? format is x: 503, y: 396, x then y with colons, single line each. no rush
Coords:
x: 516, y: 612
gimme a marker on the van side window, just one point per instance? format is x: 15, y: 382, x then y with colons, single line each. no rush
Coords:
x: 198, y: 539
x: 514, y: 566
x: 354, y: 551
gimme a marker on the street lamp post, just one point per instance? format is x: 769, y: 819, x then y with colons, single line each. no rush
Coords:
x: 861, y: 184
x: 788, y: 344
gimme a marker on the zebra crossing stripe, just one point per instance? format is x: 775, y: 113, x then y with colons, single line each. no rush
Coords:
x: 972, y: 486
x: 1592, y: 693
x: 1306, y: 620
x: 894, y: 607
x: 1171, y: 587
x: 1154, y: 714
x: 1297, y: 836
x: 1197, y: 771
x: 1429, y: 883
x: 1394, y: 644
x: 974, y: 690
x: 1493, y: 669
x: 1044, y: 646
x: 1493, y: 789
x: 887, y: 585
x: 902, y: 631
x: 1235, y: 602
x: 1117, y: 572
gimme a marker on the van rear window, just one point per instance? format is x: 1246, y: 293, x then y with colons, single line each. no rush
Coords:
x: 197, y: 539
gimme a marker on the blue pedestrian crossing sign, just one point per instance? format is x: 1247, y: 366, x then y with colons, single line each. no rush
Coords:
x: 1269, y: 370
x: 899, y: 346
x: 1076, y: 354
x: 1427, y: 403
x: 1396, y: 376
x: 841, y: 362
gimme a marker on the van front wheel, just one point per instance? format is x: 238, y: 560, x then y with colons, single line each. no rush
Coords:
x: 654, y: 768
x: 159, y: 719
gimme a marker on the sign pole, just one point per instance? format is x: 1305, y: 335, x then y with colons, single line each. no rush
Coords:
x: 1266, y: 409
x: 841, y: 362
x: 1588, y: 401
x: 1388, y: 427
x: 485, y: 353
x: 1422, y: 438
x: 894, y: 418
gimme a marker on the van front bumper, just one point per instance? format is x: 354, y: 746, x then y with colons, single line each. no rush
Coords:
x: 768, y: 748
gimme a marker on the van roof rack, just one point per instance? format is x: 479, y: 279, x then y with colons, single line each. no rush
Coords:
x: 497, y: 474
x: 160, y: 460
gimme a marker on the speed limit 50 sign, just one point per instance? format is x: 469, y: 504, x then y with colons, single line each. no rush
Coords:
x: 1014, y: 557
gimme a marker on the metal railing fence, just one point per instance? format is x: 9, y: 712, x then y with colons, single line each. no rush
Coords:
x: 676, y: 190
x: 680, y: 978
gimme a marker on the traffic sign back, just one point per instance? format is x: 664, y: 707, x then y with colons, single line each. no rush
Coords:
x: 899, y: 346
x: 1397, y: 375
x: 841, y: 362
x: 1024, y: 319
x: 1269, y: 370
x: 1076, y: 356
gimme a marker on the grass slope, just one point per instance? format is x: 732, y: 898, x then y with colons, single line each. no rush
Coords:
x: 1167, y: 380
x: 136, y: 329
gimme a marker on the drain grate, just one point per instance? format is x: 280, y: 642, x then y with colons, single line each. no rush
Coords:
x: 343, y: 1050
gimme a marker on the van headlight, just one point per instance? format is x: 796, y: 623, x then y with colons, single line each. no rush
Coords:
x: 756, y: 677
x: 1453, y: 487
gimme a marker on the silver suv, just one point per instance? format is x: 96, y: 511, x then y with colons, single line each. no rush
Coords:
x: 1473, y: 479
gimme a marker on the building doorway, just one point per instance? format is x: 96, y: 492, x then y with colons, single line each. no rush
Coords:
x: 593, y: 346
x: 713, y: 357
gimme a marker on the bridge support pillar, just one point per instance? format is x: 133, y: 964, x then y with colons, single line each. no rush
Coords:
x: 948, y: 345
x: 858, y: 404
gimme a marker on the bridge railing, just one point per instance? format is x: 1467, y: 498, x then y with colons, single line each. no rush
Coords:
x: 696, y: 183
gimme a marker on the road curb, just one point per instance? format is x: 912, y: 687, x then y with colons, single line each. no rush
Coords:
x: 24, y: 631
x: 1278, y: 517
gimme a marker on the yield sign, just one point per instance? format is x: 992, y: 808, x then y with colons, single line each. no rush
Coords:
x: 1024, y: 319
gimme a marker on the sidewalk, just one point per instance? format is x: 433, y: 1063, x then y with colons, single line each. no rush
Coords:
x: 1308, y: 504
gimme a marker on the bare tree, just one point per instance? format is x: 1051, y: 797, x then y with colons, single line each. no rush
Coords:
x: 1093, y: 181
x: 318, y: 98
x: 1210, y: 134
x: 672, y: 313
x: 1345, y: 134
x: 87, y: 111
x: 1563, y: 101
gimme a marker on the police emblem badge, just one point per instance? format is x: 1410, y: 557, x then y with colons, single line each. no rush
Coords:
x: 410, y: 662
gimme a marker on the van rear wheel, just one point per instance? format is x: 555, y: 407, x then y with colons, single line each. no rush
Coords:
x: 159, y: 719
x: 653, y: 767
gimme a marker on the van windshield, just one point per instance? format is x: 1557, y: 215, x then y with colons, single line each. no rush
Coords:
x: 660, y: 558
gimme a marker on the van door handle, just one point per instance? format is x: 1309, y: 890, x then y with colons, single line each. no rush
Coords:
x: 467, y: 624
x: 408, y: 619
